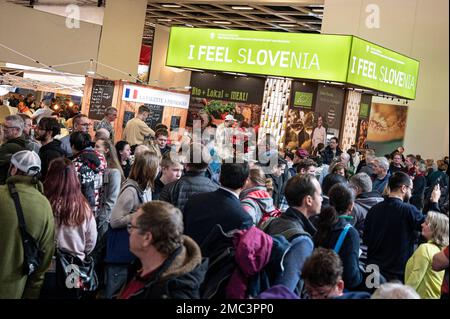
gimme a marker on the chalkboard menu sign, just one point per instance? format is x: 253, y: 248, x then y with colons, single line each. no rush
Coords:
x: 127, y: 115
x: 156, y: 114
x: 101, y: 98
x: 175, y: 122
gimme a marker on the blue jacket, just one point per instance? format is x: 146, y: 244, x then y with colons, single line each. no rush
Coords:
x: 390, y: 232
x: 349, y: 252
x: 380, y: 184
x: 203, y: 211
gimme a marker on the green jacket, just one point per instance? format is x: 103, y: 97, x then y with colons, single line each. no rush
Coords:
x: 40, y: 224
x: 6, y: 151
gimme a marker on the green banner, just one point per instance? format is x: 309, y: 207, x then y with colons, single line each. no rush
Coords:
x: 336, y: 58
x: 298, y: 55
x: 378, y: 68
x: 304, y: 99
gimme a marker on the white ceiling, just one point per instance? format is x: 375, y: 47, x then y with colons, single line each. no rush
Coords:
x: 285, y: 16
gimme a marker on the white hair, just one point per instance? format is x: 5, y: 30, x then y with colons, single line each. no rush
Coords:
x: 383, y: 163
x: 392, y: 290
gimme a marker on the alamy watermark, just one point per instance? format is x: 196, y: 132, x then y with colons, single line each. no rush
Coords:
x: 72, y: 16
x: 227, y: 145
x: 373, y: 17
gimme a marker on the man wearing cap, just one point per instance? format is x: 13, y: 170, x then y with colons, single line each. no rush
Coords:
x: 15, y: 142
x: 38, y: 217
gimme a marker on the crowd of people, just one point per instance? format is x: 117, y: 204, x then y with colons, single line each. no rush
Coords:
x: 145, y: 217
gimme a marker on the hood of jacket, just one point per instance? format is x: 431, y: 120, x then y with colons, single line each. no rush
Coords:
x: 259, y: 195
x: 18, y: 140
x: 28, y: 180
x: 369, y: 199
x: 253, y: 250
x: 89, y: 158
x: 185, y: 261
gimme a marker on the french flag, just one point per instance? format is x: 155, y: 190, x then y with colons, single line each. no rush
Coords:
x: 128, y: 91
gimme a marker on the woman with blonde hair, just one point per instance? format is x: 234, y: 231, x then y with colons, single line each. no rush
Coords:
x: 418, y: 272
x: 135, y: 191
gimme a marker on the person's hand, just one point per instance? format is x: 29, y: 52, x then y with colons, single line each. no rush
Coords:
x: 436, y: 194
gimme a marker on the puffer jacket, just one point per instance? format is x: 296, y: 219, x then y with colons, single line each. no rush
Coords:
x: 179, y: 277
x: 193, y: 182
x: 90, y: 166
x: 363, y: 202
x: 258, y: 203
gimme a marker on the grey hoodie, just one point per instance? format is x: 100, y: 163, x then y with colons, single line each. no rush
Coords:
x: 363, y: 203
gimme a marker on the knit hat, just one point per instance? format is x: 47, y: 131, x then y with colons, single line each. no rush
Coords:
x: 27, y: 162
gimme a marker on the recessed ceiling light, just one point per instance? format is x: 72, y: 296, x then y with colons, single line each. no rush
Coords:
x: 171, y: 6
x: 241, y: 8
x: 164, y: 20
x: 287, y: 25
x: 222, y: 22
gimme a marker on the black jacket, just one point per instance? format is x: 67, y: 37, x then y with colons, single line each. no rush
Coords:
x: 179, y: 277
x: 8, y: 149
x: 390, y: 232
x: 203, y: 211
x: 178, y: 192
x: 291, y: 219
x: 49, y: 152
x: 327, y: 155
x: 349, y: 252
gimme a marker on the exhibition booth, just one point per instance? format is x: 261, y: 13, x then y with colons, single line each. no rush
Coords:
x: 288, y: 83
x: 169, y: 107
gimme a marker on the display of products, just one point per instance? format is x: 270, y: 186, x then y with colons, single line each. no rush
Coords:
x: 275, y: 106
x: 351, y: 119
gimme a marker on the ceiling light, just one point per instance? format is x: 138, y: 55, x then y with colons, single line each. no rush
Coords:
x: 164, y: 20
x: 189, y: 25
x: 222, y: 22
x: 287, y: 25
x: 171, y: 6
x: 317, y: 10
x: 241, y: 8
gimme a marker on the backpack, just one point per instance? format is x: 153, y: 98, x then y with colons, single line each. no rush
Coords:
x: 219, y: 247
x: 289, y: 233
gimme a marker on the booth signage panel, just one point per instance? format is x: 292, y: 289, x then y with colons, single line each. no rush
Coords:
x: 378, y: 68
x: 312, y: 56
x: 139, y: 94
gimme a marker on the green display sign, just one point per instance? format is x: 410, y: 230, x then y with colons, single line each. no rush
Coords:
x: 364, y: 110
x: 310, y: 56
x: 304, y: 99
x: 337, y: 58
x: 381, y: 69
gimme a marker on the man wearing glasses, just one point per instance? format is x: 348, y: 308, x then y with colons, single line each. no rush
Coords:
x: 81, y: 123
x: 170, y: 264
x: 391, y: 227
x: 15, y: 142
